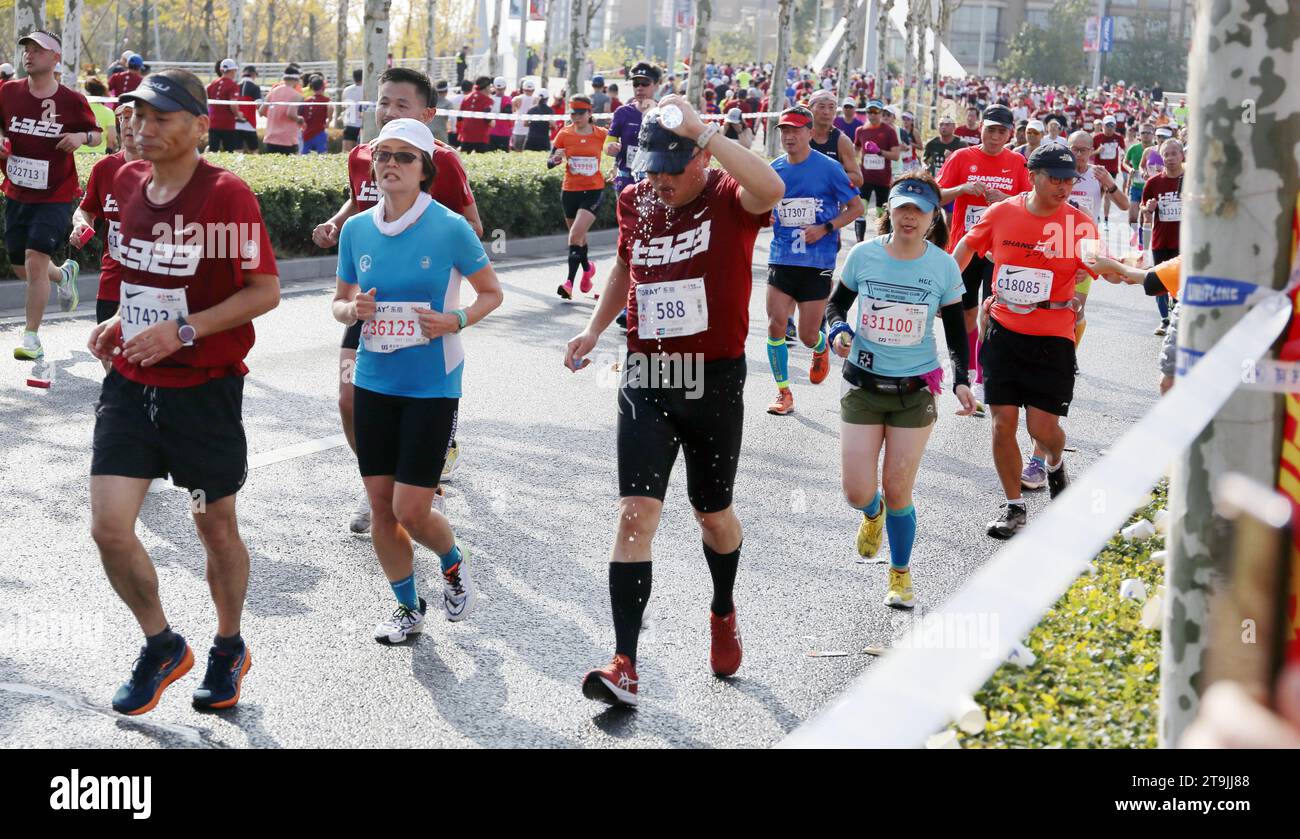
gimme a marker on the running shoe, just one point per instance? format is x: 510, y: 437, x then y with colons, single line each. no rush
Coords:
x: 565, y: 291
x: 1162, y: 328
x: 1035, y: 474
x: 900, y: 589
x: 1014, y: 517
x: 614, y: 684
x: 791, y: 333
x: 459, y: 594
x: 449, y: 465
x: 724, y: 647
x: 360, y: 521
x: 977, y: 391
x: 821, y: 365
x: 783, y: 404
x: 585, y: 285
x: 1057, y: 481
x: 30, y: 349
x: 69, y: 296
x: 871, y: 533
x: 403, y: 623
x: 150, y: 676
x: 226, y: 671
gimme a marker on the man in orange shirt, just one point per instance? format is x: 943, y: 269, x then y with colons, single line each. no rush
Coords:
x: 1033, y: 240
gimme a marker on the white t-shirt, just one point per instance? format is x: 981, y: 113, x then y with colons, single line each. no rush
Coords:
x: 352, y: 94
x: 526, y: 101
x: 455, y: 106
x: 1086, y: 194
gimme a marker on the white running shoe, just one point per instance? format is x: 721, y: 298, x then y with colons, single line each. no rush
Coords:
x: 30, y: 349
x: 69, y: 296
x: 360, y: 521
x: 459, y: 594
x: 402, y: 623
x: 449, y: 465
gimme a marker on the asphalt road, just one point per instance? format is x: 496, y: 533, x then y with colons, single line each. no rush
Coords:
x: 534, y: 501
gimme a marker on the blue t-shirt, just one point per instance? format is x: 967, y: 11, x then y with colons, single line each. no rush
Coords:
x: 897, y: 303
x: 624, y: 127
x: 425, y: 263
x: 814, y: 191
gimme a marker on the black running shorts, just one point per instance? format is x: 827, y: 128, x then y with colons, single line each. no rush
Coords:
x: 406, y: 437
x: 977, y: 277
x: 1036, y: 371
x: 581, y: 199
x: 802, y: 282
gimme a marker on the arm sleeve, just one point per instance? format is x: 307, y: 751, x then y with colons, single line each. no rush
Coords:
x: 837, y: 308
x: 954, y: 332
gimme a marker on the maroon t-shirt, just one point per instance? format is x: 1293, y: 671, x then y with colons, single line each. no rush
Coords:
x: 220, y: 117
x: 469, y: 129
x: 125, y: 82
x: 1107, y: 151
x: 450, y: 186
x: 37, y: 172
x: 221, y: 239
x: 711, y: 238
x: 99, y: 201
x: 1167, y: 220
x: 314, y: 116
x: 970, y: 136
x: 876, y: 169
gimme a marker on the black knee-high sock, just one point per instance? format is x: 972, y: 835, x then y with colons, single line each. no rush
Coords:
x: 722, y: 567
x: 629, y: 591
x: 586, y: 264
x: 575, y: 259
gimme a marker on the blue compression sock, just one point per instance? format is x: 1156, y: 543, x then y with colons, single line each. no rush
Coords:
x: 901, y: 527
x: 821, y: 342
x: 873, y: 509
x: 404, y: 591
x: 450, y: 559
x: 778, y: 356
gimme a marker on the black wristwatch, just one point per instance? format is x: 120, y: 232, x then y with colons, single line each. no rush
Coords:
x: 186, y: 332
x: 1112, y: 190
x: 829, y: 226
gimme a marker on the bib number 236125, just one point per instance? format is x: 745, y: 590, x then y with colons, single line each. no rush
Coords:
x: 395, y: 326
x: 672, y: 309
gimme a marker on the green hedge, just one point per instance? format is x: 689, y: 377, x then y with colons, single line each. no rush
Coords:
x: 515, y: 193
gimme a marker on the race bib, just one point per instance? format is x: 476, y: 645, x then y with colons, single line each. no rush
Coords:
x: 1083, y: 202
x: 142, y: 306
x: 28, y: 172
x: 584, y: 165
x: 629, y: 153
x: 672, y: 309
x: 973, y: 215
x: 893, y: 324
x: 395, y: 326
x: 1107, y: 151
x: 1169, y: 206
x: 797, y: 212
x: 1023, y: 286
x: 115, y: 239
x: 873, y: 162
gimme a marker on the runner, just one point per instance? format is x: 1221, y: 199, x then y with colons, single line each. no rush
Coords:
x: 314, y: 118
x: 224, y: 88
x: 819, y: 200
x: 938, y: 148
x: 1136, y: 173
x: 44, y: 123
x: 173, y: 401
x: 877, y: 145
x: 578, y: 146
x: 539, y: 131
x: 829, y: 139
x: 1162, y: 202
x: 246, y: 122
x: 971, y: 132
x: 353, y: 113
x: 1033, y: 240
x: 402, y: 93
x: 282, y: 118
x: 625, y: 125
x: 400, y: 264
x: 900, y: 281
x: 975, y: 179
x: 522, y: 104
x: 686, y: 242
x: 98, y: 202
x: 474, y: 131
x: 1033, y: 138
x: 1109, y: 150
x: 848, y: 121
x: 499, y: 133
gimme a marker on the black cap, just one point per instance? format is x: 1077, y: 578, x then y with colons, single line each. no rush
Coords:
x: 644, y: 70
x: 999, y: 115
x: 660, y: 150
x: 170, y: 90
x: 1056, y: 160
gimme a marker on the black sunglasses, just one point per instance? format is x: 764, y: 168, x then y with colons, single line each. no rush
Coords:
x: 641, y: 83
x: 403, y: 157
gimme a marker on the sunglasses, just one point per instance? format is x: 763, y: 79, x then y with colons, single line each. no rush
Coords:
x: 873, y: 110
x: 641, y: 83
x: 405, y: 158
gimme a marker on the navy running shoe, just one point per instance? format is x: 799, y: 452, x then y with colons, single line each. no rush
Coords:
x: 220, y: 688
x: 791, y: 332
x: 150, y: 677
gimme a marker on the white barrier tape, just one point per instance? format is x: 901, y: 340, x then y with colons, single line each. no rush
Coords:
x: 911, y: 692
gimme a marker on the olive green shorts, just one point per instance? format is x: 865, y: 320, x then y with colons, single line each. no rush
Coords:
x: 861, y: 407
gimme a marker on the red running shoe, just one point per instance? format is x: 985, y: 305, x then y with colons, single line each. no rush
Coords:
x: 725, y: 649
x: 821, y: 365
x: 615, y: 683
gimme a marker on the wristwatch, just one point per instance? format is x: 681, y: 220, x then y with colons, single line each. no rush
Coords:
x: 1112, y: 189
x: 830, y: 226
x: 186, y: 332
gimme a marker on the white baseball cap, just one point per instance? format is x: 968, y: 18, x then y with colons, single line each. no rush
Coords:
x: 228, y: 64
x: 410, y: 131
x: 499, y: 81
x: 1108, y: 120
x: 1036, y: 125
x: 529, y: 84
x: 733, y: 115
x: 6, y: 69
x: 850, y: 103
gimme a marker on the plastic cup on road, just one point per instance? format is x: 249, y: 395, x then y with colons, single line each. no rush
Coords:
x: 1139, y: 530
x: 1133, y: 589
x: 943, y: 740
x: 969, y: 716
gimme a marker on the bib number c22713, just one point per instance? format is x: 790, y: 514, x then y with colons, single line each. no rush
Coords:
x: 395, y: 326
x: 892, y: 324
x: 142, y: 306
x: 28, y: 172
x: 672, y: 309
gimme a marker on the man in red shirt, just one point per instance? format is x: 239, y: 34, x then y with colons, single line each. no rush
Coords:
x: 402, y: 93
x: 128, y: 81
x: 684, y: 271
x: 314, y: 117
x: 975, y: 179
x: 197, y: 268
x: 1108, y: 150
x: 221, y: 135
x: 474, y: 132
x: 877, y: 146
x: 970, y: 132
x: 1162, y: 202
x: 43, y: 122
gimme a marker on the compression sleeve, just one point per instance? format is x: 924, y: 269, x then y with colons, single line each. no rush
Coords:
x: 954, y: 332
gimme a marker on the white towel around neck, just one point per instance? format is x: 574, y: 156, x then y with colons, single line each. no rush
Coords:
x: 408, y: 218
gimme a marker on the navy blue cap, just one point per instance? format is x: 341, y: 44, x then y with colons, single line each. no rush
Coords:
x: 660, y: 150
x: 914, y: 191
x: 167, y: 93
x: 1056, y: 160
x: 875, y: 103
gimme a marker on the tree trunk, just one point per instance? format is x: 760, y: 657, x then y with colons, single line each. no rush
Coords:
x: 521, y: 49
x: 72, y: 11
x: 494, y: 41
x: 430, y: 36
x: 699, y: 54
x: 28, y: 15
x: 945, y: 12
x: 270, y: 30
x: 545, y: 71
x: 376, y: 58
x: 882, y: 39
x: 1239, y: 197
x: 341, y: 75
x: 909, y: 48
x: 922, y: 26
x: 849, y: 45
x: 144, y: 27
x: 577, y: 44
x: 311, y: 38
x: 776, y: 90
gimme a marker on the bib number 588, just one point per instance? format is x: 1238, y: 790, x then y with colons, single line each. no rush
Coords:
x: 667, y: 310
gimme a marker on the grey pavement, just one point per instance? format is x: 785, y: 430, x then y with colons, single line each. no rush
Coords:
x: 534, y: 501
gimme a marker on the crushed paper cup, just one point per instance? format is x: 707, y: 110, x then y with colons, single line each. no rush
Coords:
x: 1160, y: 557
x: 873, y: 650
x: 1133, y: 589
x: 969, y: 716
x: 1139, y: 530
x: 1162, y: 522
x: 1021, y: 656
x: 943, y: 740
x: 1153, y: 612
